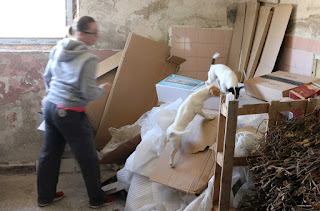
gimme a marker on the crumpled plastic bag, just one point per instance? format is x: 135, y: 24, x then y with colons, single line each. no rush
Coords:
x: 246, y: 143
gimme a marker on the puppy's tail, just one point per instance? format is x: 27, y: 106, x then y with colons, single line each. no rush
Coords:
x: 214, y: 57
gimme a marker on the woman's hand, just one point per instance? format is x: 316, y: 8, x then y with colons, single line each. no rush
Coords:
x: 107, y: 87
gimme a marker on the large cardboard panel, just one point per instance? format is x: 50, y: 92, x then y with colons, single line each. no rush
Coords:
x: 237, y: 35
x: 248, y: 34
x: 192, y: 171
x: 275, y: 86
x: 106, y: 72
x: 109, y: 64
x: 142, y: 65
x: 274, y: 39
x: 264, y: 20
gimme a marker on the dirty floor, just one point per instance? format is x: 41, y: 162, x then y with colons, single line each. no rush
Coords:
x: 19, y: 192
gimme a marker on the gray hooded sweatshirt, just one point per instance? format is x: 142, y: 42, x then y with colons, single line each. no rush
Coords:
x: 70, y: 75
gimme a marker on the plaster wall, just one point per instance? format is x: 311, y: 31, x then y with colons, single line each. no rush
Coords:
x: 21, y: 85
x: 305, y: 18
x: 154, y: 18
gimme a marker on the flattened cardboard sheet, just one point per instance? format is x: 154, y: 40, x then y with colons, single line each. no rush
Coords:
x: 274, y: 39
x: 142, y: 65
x: 192, y: 171
x: 248, y: 34
x: 264, y: 20
x: 237, y: 35
x: 199, y: 130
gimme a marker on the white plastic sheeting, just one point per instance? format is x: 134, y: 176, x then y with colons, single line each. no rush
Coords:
x: 246, y: 143
x: 144, y: 195
x: 204, y: 201
x: 258, y: 121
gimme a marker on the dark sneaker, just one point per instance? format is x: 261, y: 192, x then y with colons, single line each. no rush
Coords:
x: 110, y: 199
x: 59, y: 195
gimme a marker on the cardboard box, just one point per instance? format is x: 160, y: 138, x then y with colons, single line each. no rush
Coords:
x: 141, y: 65
x: 176, y: 86
x: 194, y: 160
x: 303, y: 92
x: 276, y: 85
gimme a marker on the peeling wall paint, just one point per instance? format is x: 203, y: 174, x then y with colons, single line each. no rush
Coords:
x: 20, y: 73
x: 304, y: 20
x: 21, y: 92
x: 152, y: 18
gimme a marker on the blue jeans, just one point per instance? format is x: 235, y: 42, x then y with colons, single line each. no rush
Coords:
x: 74, y: 128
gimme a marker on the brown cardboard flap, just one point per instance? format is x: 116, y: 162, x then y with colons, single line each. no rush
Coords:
x: 237, y: 35
x: 175, y: 60
x: 121, y: 153
x: 192, y: 171
x: 143, y: 64
x: 108, y: 64
x: 263, y: 24
x: 274, y: 39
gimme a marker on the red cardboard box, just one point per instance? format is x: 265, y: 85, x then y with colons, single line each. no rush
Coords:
x: 303, y: 92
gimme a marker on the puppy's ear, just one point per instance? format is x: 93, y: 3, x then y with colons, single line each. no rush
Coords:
x: 238, y: 91
x: 214, y: 91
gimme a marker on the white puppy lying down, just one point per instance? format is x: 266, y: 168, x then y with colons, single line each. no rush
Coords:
x: 187, y: 111
x: 225, y: 77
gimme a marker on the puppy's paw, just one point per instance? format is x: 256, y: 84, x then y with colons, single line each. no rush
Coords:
x: 210, y: 117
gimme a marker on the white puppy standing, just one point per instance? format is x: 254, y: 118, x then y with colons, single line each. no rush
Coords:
x: 224, y: 76
x: 187, y: 111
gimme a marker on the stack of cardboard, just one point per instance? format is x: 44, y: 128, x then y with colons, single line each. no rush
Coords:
x: 257, y: 36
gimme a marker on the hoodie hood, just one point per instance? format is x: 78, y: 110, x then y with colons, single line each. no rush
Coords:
x: 68, y: 49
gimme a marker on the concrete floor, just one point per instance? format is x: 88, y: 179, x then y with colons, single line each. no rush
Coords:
x: 19, y: 192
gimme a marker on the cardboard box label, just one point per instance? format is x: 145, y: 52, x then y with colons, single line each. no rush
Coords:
x: 284, y: 80
x: 181, y: 82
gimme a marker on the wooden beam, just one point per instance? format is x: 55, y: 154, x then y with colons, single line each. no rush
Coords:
x: 228, y: 156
